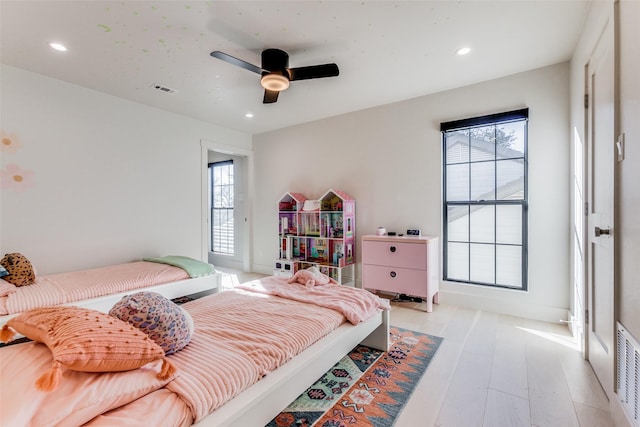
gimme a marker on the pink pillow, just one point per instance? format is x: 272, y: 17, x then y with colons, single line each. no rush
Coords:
x: 85, y: 340
x: 6, y: 288
x: 311, y: 277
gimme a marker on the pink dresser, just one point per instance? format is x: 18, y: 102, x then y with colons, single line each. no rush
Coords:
x: 402, y: 265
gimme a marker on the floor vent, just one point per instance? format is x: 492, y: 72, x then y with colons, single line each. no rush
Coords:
x: 629, y: 374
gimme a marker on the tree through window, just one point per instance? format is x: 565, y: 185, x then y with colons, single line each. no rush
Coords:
x: 485, y: 200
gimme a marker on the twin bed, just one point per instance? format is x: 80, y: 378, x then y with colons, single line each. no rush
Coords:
x: 100, y: 288
x: 254, y: 349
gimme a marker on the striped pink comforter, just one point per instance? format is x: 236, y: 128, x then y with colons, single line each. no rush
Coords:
x: 240, y: 337
x: 354, y: 303
x: 85, y: 284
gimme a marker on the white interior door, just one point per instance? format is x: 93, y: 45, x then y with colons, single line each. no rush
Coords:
x: 600, y: 175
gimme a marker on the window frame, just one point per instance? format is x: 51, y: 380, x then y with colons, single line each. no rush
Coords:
x: 467, y: 124
x: 230, y: 247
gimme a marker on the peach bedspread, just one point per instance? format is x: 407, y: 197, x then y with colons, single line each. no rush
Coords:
x: 85, y: 284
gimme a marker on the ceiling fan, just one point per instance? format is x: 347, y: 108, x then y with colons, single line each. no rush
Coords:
x: 276, y: 73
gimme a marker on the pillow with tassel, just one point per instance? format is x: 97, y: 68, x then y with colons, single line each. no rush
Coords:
x: 85, y: 340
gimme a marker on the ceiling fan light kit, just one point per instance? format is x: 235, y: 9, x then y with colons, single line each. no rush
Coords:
x: 276, y: 73
x: 274, y: 82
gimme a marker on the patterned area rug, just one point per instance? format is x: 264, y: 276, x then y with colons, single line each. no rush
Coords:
x: 366, y: 388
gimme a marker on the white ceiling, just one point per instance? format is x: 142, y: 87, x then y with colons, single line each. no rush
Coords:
x: 387, y: 51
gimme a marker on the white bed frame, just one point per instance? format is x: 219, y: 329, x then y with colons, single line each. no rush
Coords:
x: 212, y: 283
x: 260, y: 403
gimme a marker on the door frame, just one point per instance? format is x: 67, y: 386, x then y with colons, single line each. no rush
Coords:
x: 247, y: 227
x: 587, y: 313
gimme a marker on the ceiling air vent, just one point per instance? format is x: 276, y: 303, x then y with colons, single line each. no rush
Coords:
x: 162, y: 88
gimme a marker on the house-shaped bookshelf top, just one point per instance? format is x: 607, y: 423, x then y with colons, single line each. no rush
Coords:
x: 337, y: 200
x: 291, y: 202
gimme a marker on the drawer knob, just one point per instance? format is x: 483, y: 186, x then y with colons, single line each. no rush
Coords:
x: 392, y: 274
x: 392, y: 248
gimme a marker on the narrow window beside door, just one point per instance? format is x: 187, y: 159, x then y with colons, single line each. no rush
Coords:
x: 221, y: 185
x: 485, y: 200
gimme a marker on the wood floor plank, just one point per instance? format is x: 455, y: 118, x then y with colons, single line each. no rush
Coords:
x: 549, y: 397
x: 506, y: 410
x: 460, y: 325
x: 583, y: 383
x: 509, y: 369
x: 424, y: 406
x: 466, y: 398
x: 593, y: 417
x: 482, y: 339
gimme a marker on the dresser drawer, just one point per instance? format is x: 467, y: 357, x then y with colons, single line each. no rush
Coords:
x: 396, y: 254
x: 394, y: 279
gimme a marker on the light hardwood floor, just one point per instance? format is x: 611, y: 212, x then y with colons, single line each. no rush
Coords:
x: 494, y: 370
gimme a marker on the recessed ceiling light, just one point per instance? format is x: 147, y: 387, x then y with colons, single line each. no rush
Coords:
x: 248, y: 115
x: 463, y: 51
x: 58, y: 46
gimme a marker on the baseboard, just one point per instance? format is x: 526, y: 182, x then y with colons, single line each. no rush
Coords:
x: 503, y: 306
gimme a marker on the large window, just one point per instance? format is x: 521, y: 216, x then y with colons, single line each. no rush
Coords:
x: 221, y: 185
x: 485, y: 200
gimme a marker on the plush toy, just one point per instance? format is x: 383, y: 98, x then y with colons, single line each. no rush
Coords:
x: 312, y: 277
x: 19, y: 269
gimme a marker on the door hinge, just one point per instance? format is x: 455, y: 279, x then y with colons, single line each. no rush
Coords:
x: 586, y: 317
x: 586, y: 208
x: 586, y: 100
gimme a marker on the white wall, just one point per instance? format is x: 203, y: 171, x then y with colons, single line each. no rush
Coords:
x: 114, y: 180
x: 389, y: 159
x: 628, y: 173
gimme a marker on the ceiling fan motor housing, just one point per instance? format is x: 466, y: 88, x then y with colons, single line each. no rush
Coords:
x: 275, y: 61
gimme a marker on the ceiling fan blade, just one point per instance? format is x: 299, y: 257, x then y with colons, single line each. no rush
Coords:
x: 270, y: 96
x: 237, y: 62
x: 313, y: 72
